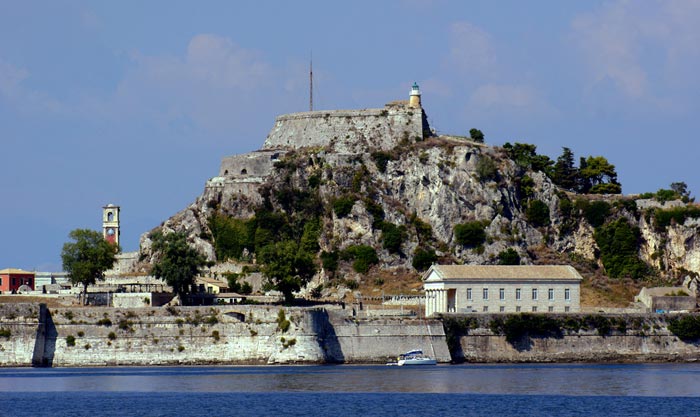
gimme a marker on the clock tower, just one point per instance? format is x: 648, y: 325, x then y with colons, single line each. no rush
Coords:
x: 110, y: 223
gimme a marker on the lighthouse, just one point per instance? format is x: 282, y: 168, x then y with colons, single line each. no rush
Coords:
x: 414, y: 100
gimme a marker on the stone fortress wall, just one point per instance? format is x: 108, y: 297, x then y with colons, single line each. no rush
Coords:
x: 348, y: 131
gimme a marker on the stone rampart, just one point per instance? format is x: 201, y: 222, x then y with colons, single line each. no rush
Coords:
x: 348, y: 131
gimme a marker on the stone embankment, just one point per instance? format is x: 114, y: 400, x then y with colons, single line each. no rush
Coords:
x: 35, y: 335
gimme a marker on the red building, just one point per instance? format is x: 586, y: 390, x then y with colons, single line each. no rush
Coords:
x: 11, y: 279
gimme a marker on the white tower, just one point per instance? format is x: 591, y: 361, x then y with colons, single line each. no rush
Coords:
x: 110, y: 223
x: 414, y: 100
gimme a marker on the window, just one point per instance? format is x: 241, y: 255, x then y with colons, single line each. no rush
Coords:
x: 534, y: 293
x: 469, y: 293
x: 567, y: 294
x: 14, y: 281
x: 517, y: 309
x: 486, y: 293
x: 550, y: 309
x: 0, y: 280
x: 534, y: 309
x: 110, y: 216
x: 486, y: 309
x: 566, y: 309
x: 517, y: 293
x: 502, y: 309
x: 502, y: 294
x: 550, y: 294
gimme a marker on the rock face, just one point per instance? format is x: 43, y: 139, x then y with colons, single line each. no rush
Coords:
x: 387, y: 162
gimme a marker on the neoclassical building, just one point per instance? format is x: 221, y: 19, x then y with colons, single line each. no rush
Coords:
x: 505, y: 289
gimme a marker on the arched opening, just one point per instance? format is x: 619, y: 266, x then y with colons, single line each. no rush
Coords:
x: 110, y: 216
x: 226, y: 172
x: 244, y: 171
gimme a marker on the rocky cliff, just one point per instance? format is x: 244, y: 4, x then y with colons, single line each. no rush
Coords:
x: 380, y: 178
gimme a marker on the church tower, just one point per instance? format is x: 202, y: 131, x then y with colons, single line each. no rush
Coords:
x: 110, y: 223
x: 414, y: 100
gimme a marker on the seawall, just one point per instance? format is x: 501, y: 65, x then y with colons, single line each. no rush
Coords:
x: 567, y: 338
x: 206, y: 335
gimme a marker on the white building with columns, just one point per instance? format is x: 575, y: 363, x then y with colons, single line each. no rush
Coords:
x: 504, y: 289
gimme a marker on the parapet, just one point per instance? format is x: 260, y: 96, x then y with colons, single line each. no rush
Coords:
x: 348, y: 131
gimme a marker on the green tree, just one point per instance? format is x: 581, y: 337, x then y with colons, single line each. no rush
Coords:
x: 177, y: 262
x: 476, y: 135
x: 287, y: 267
x: 392, y: 236
x: 619, y: 247
x: 537, y: 213
x: 87, y: 258
x: 600, y: 175
x: 525, y: 156
x: 565, y: 173
x: 486, y: 169
x: 423, y: 258
x: 470, y: 234
x: 508, y: 257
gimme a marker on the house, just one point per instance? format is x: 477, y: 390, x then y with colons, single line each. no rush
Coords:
x: 504, y: 289
x: 11, y: 279
x: 667, y: 299
x: 211, y: 285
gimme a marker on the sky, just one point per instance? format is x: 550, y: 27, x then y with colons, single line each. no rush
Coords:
x: 135, y: 102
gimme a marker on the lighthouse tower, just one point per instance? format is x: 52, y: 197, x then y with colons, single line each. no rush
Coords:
x: 414, y: 100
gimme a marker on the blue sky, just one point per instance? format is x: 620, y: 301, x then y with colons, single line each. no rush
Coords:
x: 135, y: 102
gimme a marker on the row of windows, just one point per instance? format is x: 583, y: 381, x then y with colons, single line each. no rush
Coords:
x: 518, y: 294
x: 26, y: 281
x: 518, y: 309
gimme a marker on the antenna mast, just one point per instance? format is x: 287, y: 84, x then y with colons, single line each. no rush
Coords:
x: 311, y: 83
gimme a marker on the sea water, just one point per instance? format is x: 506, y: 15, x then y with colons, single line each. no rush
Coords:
x: 479, y: 390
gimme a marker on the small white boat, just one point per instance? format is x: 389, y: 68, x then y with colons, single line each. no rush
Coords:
x: 415, y: 357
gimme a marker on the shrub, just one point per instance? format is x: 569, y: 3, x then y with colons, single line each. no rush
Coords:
x: 619, y: 245
x: 423, y: 258
x: 81, y: 333
x: 526, y: 187
x: 6, y: 333
x: 215, y: 335
x: 677, y: 215
x: 537, y: 213
x: 381, y: 159
x: 111, y: 336
x: 104, y: 322
x: 364, y: 257
x: 231, y: 236
x: 392, y: 236
x: 423, y: 229
x: 686, y: 328
x: 508, y: 257
x: 70, y: 340
x: 476, y: 135
x: 180, y: 348
x: 282, y: 322
x: 470, y: 234
x: 342, y: 206
x: 596, y: 212
x: 486, y: 169
x: 329, y: 260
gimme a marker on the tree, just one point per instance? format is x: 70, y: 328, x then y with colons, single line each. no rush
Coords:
x: 525, y: 156
x: 508, y: 257
x: 682, y: 189
x: 470, y: 234
x: 287, y: 267
x: 600, y: 175
x: 87, y: 258
x: 178, y: 263
x: 565, y: 173
x: 477, y: 135
x: 537, y: 213
x: 423, y: 258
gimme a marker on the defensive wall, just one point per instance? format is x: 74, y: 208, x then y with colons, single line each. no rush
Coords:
x: 35, y: 335
x: 31, y: 334
x: 348, y: 131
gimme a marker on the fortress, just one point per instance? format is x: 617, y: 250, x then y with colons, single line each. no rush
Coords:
x: 341, y: 131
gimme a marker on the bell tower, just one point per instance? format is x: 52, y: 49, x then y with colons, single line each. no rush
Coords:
x: 414, y: 98
x: 110, y: 223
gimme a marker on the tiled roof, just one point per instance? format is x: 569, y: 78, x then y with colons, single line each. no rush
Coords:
x: 457, y: 272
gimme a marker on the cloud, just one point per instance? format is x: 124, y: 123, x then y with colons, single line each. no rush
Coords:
x: 25, y: 100
x: 471, y: 48
x: 643, y: 51
x: 10, y: 79
x: 505, y: 97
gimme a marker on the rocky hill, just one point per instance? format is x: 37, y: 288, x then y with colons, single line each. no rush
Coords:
x: 342, y: 186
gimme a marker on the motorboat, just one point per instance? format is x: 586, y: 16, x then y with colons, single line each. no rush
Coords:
x: 415, y: 357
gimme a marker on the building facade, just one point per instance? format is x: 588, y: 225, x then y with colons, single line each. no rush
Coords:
x: 11, y: 279
x: 504, y: 289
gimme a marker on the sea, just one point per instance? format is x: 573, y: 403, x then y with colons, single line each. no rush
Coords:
x: 354, y: 390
